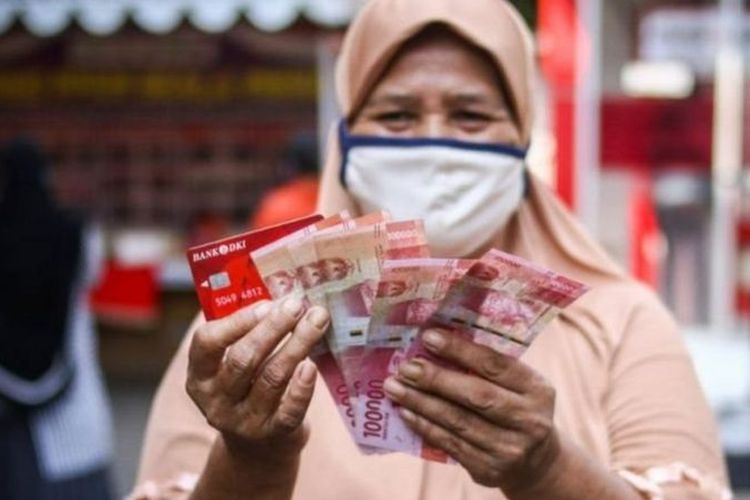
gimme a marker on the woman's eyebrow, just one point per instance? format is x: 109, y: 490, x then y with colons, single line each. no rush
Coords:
x: 474, y: 98
x: 396, y: 99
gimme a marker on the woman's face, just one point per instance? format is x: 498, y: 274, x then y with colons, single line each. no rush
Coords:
x: 439, y: 86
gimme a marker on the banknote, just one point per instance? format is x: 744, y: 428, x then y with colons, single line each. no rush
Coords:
x: 299, y: 261
x: 279, y: 273
x: 382, y: 289
x: 408, y: 295
x: 310, y: 269
x: 275, y: 263
x: 500, y: 301
x: 504, y: 301
x: 278, y: 270
x: 343, y: 277
x: 350, y: 299
x: 352, y: 264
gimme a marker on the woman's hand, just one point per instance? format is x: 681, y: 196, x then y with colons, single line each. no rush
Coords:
x: 252, y: 387
x: 496, y: 420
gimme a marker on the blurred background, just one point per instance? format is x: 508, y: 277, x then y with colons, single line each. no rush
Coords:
x: 169, y: 123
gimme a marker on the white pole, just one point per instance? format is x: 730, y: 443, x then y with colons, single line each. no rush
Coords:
x: 587, y: 113
x: 328, y: 112
x: 726, y: 163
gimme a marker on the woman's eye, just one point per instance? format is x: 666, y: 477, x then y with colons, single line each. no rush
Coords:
x: 471, y: 116
x: 395, y: 117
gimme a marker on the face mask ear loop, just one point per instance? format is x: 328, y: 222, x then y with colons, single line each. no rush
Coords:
x: 344, y: 151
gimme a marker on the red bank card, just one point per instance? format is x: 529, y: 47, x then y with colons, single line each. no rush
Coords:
x: 225, y: 276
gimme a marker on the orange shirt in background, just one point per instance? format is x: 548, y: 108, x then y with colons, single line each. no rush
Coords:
x: 292, y: 200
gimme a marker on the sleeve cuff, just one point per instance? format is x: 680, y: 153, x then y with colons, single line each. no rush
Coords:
x: 178, y: 488
x: 649, y: 483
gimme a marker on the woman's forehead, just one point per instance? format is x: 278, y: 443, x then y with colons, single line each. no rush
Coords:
x: 493, y: 26
x: 438, y: 58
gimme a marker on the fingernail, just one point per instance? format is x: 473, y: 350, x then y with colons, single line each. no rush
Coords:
x: 292, y: 306
x: 262, y: 309
x: 319, y: 317
x: 407, y: 415
x: 394, y: 388
x: 433, y: 340
x: 307, y: 373
x: 412, y: 371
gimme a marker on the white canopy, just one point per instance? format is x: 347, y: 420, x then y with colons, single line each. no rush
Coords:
x: 104, y: 17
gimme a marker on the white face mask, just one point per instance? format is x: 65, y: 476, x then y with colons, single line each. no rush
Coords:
x: 465, y: 192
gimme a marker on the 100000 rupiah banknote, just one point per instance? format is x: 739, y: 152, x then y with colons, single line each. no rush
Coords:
x: 408, y: 295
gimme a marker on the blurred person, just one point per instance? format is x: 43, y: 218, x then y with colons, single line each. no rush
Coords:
x: 55, y: 432
x: 296, y: 197
x: 437, y: 98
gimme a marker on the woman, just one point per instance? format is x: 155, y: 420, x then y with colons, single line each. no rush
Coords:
x: 437, y: 98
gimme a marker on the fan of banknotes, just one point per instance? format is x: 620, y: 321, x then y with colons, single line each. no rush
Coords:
x: 376, y: 277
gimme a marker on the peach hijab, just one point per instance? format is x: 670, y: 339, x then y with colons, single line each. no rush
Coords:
x: 495, y: 27
x: 626, y: 390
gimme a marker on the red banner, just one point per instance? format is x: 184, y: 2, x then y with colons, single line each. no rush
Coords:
x: 562, y: 40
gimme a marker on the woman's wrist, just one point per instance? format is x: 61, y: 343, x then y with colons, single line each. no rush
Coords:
x: 235, y: 468
x: 570, y: 473
x: 541, y: 472
x: 266, y: 454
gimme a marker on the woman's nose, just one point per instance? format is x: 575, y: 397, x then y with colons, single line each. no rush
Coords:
x: 434, y: 126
